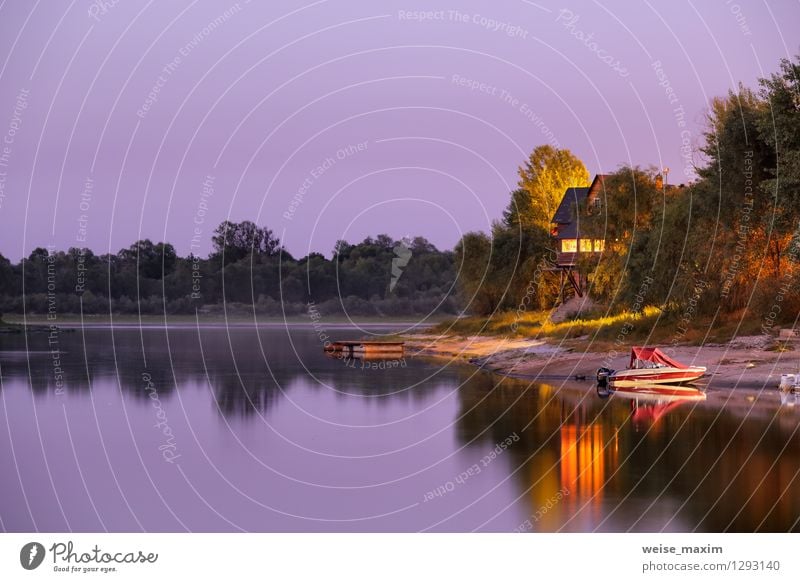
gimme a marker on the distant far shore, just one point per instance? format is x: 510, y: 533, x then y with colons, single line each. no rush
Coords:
x: 15, y: 321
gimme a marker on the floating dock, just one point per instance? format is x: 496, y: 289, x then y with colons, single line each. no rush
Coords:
x: 367, y: 347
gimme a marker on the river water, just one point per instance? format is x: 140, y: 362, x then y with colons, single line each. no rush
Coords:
x: 241, y: 428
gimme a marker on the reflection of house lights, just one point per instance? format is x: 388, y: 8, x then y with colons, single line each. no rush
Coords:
x: 583, y: 460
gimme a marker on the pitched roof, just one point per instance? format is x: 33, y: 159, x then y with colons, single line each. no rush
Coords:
x: 572, y: 198
x: 597, y: 184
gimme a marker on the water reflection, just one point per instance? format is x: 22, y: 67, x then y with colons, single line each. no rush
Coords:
x: 248, y: 370
x: 646, y: 462
x: 641, y: 462
x: 649, y: 404
x: 789, y: 397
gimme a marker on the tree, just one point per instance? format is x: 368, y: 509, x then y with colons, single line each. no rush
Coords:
x: 546, y: 174
x: 519, y: 212
x: 7, y: 283
x: 235, y: 240
x: 738, y: 160
x: 420, y: 245
x: 154, y: 260
x: 479, y: 292
x: 632, y: 195
x: 779, y: 127
x: 677, y: 250
x: 748, y: 230
x: 341, y: 249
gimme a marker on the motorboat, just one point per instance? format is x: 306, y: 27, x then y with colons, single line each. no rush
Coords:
x: 649, y: 366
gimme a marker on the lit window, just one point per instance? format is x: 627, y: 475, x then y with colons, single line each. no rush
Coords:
x: 569, y: 245
x: 586, y: 245
x: 599, y: 245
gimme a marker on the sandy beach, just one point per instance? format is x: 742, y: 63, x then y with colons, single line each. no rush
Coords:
x: 741, y: 365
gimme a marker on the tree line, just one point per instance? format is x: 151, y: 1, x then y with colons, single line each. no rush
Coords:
x: 248, y: 269
x: 728, y: 241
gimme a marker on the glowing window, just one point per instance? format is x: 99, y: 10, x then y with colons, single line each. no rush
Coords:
x: 569, y: 245
x: 599, y: 245
x: 586, y: 245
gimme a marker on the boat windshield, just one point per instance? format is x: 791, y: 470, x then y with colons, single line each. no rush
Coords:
x: 647, y: 364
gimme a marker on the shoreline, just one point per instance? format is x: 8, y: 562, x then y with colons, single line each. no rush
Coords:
x: 736, y: 366
x: 746, y: 392
x: 17, y: 321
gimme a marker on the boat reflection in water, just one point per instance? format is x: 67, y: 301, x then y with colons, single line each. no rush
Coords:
x: 789, y: 398
x: 649, y: 403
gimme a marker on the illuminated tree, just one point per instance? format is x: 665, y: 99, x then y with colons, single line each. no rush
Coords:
x: 545, y: 176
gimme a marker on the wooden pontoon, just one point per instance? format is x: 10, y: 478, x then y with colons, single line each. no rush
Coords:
x: 367, y: 347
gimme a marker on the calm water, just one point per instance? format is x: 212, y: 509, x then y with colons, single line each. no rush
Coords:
x: 245, y: 429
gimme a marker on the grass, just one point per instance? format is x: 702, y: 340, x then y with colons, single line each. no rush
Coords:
x: 538, y: 324
x: 651, y: 326
x: 780, y: 347
x: 14, y: 327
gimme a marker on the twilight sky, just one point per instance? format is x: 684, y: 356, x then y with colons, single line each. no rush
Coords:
x: 127, y: 119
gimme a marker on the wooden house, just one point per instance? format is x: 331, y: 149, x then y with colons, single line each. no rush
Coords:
x: 566, y: 230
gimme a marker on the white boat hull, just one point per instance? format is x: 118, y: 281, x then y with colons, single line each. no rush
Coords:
x: 662, y: 375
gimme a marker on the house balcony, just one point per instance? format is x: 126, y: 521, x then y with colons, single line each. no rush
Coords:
x: 567, y: 259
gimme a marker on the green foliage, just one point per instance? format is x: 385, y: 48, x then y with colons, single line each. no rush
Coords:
x: 738, y: 159
x: 727, y: 242
x: 234, y: 241
x: 520, y: 210
x: 509, y: 269
x: 248, y: 271
x: 632, y: 196
x: 154, y: 260
x: 546, y: 174
x: 722, y: 243
x: 779, y: 127
x: 506, y: 271
x: 478, y: 291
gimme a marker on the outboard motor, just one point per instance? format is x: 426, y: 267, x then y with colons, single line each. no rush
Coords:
x: 602, y: 376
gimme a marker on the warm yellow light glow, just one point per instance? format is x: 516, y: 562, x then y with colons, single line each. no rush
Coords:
x: 587, y: 245
x: 583, y: 462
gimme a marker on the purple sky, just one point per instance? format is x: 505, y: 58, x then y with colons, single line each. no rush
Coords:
x: 259, y: 97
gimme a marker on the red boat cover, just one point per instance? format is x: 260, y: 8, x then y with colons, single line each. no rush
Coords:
x: 654, y: 355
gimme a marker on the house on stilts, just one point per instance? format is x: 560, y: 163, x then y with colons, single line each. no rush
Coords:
x: 570, y: 245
